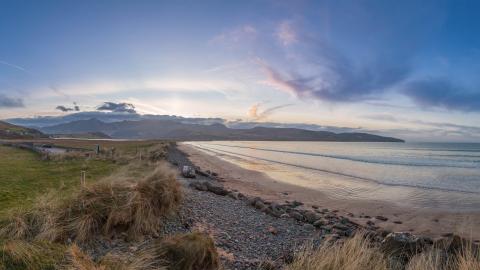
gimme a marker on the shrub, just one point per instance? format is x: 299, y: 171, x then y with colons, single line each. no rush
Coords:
x: 193, y: 251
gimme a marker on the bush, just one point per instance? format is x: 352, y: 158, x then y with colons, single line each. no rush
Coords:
x: 193, y: 251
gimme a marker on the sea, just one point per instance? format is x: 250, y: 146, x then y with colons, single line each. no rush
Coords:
x: 441, y: 176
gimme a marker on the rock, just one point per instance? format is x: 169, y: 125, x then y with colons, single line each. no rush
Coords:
x: 344, y: 220
x: 311, y: 217
x: 254, y: 200
x: 272, y: 230
x: 284, y: 216
x: 402, y: 244
x: 188, y: 172
x: 296, y: 215
x: 315, y: 206
x: 219, y: 190
x: 308, y: 226
x: 382, y: 218
x: 259, y: 205
x: 370, y: 223
x: 233, y: 195
x: 341, y: 227
x: 296, y: 204
x: 319, y: 223
x: 397, y: 222
x: 199, y: 186
x: 202, y: 173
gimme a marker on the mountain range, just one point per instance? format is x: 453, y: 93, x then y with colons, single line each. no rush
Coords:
x: 167, y: 129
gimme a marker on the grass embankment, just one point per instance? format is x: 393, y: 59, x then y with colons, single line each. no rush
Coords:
x: 133, y: 201
x: 23, y: 176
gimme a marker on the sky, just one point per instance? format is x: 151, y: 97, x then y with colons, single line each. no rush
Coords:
x: 403, y: 68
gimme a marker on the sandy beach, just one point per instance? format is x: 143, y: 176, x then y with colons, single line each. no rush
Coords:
x: 418, y: 221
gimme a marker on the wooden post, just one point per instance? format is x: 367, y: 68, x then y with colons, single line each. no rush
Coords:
x: 97, y: 149
x: 82, y: 178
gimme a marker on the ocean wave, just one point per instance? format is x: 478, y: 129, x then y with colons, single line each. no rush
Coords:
x: 371, y: 180
x: 364, y: 160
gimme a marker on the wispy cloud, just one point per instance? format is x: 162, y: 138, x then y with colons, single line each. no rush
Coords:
x: 236, y: 35
x: 10, y: 102
x: 255, y: 112
x: 14, y: 66
x: 286, y: 33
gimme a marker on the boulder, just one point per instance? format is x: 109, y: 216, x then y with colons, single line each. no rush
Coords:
x: 259, y: 205
x: 341, y: 227
x: 311, y: 216
x: 199, y: 186
x: 403, y: 244
x: 296, y: 204
x: 319, y: 223
x: 234, y: 195
x: 219, y: 190
x: 308, y: 226
x: 188, y: 172
x: 382, y: 218
x: 296, y: 215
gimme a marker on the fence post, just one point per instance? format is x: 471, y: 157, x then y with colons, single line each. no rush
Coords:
x: 82, y: 179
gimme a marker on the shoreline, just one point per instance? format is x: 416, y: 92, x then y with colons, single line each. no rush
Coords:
x: 431, y: 223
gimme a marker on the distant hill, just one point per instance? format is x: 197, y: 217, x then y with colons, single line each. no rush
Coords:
x: 9, y: 131
x: 87, y: 135
x: 174, y: 130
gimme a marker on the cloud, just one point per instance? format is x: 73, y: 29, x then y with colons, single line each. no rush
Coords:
x: 326, y: 74
x: 9, y: 102
x: 68, y: 109
x: 286, y: 34
x: 63, y: 108
x: 14, y: 66
x: 117, y: 107
x: 446, y: 128
x: 442, y: 93
x: 236, y: 35
x: 255, y: 113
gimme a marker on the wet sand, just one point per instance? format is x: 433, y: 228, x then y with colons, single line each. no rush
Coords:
x: 430, y: 223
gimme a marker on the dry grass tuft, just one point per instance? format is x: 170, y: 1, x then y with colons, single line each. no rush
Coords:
x: 440, y: 258
x: 354, y: 254
x: 110, y: 207
x: 20, y: 254
x: 103, y: 208
x: 358, y: 253
x: 193, y: 251
x: 76, y: 259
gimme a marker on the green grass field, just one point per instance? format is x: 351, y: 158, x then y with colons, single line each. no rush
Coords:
x: 23, y: 176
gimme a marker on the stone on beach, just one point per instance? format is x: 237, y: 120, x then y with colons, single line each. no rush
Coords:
x: 188, y: 172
